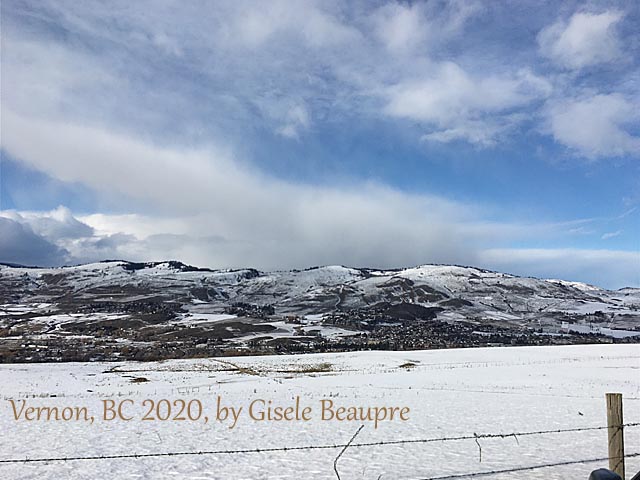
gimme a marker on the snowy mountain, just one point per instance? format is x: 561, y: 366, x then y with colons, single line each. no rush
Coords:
x: 118, y: 309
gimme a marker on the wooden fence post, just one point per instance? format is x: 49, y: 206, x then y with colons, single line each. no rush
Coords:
x: 616, y: 433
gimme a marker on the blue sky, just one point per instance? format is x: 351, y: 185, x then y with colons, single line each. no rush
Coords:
x: 287, y: 134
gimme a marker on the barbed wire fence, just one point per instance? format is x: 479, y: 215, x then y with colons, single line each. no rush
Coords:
x: 350, y: 444
x: 523, y: 469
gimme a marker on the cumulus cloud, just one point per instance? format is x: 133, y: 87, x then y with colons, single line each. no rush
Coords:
x: 54, y: 225
x: 401, y: 27
x: 596, y: 125
x: 407, y: 28
x: 21, y: 245
x: 255, y: 23
x: 584, y: 40
x: 457, y: 103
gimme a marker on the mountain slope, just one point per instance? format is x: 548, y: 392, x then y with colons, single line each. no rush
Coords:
x: 164, y: 304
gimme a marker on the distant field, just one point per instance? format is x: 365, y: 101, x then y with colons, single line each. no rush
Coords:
x: 449, y: 393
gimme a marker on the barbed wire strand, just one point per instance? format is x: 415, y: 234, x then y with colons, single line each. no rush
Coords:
x: 309, y: 447
x: 523, y: 469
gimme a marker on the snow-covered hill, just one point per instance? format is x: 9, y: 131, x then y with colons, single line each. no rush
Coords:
x: 173, y: 303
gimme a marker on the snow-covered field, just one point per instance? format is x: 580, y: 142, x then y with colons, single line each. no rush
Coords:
x: 448, y: 392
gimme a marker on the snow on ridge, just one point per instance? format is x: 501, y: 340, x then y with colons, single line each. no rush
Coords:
x: 628, y: 290
x: 584, y: 287
x: 448, y: 270
x: 437, y: 274
x: 326, y: 275
x: 82, y: 267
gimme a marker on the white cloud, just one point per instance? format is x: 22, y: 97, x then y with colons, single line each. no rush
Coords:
x: 325, y: 233
x: 462, y: 106
x: 483, y: 133
x: 594, y: 126
x: 267, y: 65
x: 48, y: 78
x: 401, y: 27
x: 255, y: 23
x: 586, y: 39
x: 297, y: 119
x: 410, y: 28
x: 55, y: 238
x: 267, y: 222
x: 608, y: 235
x: 206, y: 208
x: 54, y: 225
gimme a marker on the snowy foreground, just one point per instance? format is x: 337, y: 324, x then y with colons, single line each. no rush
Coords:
x: 448, y: 392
